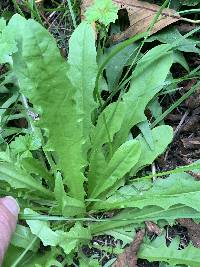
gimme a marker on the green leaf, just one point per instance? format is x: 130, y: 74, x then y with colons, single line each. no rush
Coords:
x: 162, y: 136
x: 164, y: 193
x: 7, y: 43
x: 172, y: 34
x: 155, y: 107
x: 66, y: 240
x: 23, y: 237
x: 97, y: 166
x: 104, y: 11
x: 179, y: 58
x: 158, y: 251
x: 145, y: 129
x: 82, y: 74
x: 122, y: 161
x: 70, y: 240
x: 115, y: 66
x: 42, y: 230
x: 68, y: 206
x: 125, y: 234
x: 109, y: 121
x: 144, y: 85
x: 53, y: 96
x: 11, y: 255
x: 91, y: 263
x: 34, y: 166
x: 47, y: 259
x: 27, y: 143
x: 138, y: 216
x: 18, y: 178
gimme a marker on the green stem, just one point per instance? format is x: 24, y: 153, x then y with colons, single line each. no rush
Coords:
x: 72, y: 13
x: 18, y: 260
x: 16, y: 5
x: 189, y: 11
x: 176, y: 104
x: 195, y: 166
x: 191, y: 20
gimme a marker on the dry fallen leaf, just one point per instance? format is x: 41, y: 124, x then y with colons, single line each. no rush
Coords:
x: 140, y: 16
x: 153, y: 228
x: 129, y: 256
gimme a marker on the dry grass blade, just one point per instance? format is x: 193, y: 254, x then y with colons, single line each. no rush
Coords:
x: 140, y: 16
x: 129, y: 256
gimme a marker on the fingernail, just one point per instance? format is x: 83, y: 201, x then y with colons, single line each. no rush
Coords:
x: 11, y: 204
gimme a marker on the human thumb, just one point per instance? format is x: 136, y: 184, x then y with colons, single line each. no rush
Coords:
x: 9, y: 210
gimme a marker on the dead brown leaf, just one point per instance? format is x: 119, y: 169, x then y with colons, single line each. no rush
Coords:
x: 129, y: 256
x: 193, y: 230
x: 153, y: 228
x: 140, y: 15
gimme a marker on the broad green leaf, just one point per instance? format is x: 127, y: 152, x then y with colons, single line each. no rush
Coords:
x: 42, y: 230
x: 18, y: 178
x: 162, y: 136
x: 111, y: 118
x: 145, y: 129
x: 115, y: 66
x: 109, y: 121
x: 179, y: 58
x: 88, y: 262
x: 138, y: 216
x: 68, y: 206
x: 47, y: 86
x: 7, y: 43
x: 70, y: 240
x: 66, y: 240
x: 23, y: 237
x: 23, y: 144
x: 34, y: 166
x: 104, y: 11
x: 170, y: 35
x: 45, y: 259
x: 82, y: 74
x: 164, y: 193
x: 11, y: 255
x: 158, y: 251
x: 155, y: 107
x: 144, y: 85
x: 125, y: 234
x: 163, y: 264
x: 122, y: 161
x: 97, y: 166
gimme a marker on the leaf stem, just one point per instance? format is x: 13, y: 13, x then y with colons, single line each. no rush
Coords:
x: 177, y: 103
x: 191, y: 20
x: 72, y: 13
x: 189, y: 11
x: 193, y: 166
x: 15, y: 264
